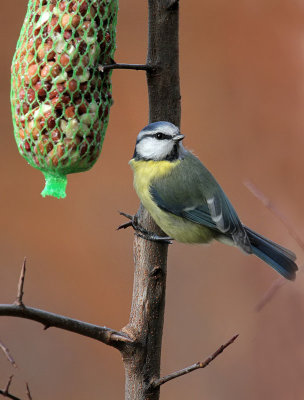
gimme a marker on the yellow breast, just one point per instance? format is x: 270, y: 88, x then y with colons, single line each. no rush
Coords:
x: 179, y: 228
x: 144, y: 174
x: 146, y: 171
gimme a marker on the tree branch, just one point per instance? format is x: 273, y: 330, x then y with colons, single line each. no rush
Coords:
x: 193, y: 367
x: 138, y: 67
x: 5, y: 392
x: 142, y: 365
x: 103, y: 334
x: 8, y: 395
x: 7, y: 354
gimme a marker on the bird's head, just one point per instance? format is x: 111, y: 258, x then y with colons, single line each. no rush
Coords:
x: 159, y: 141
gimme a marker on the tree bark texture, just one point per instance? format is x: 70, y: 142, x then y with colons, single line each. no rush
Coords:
x: 140, y: 341
x: 142, y: 361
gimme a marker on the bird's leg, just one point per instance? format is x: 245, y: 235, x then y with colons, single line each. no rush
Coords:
x: 141, y: 232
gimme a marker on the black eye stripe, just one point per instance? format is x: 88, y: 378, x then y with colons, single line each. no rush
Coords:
x: 153, y: 135
x: 163, y: 136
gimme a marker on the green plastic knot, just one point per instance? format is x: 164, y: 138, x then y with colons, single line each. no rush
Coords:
x: 55, y: 185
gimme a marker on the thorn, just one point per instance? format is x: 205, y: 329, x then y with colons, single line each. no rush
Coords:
x: 28, y: 393
x: 20, y: 292
x: 6, y: 390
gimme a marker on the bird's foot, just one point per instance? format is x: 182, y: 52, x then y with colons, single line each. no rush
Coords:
x: 141, y: 232
x: 133, y: 221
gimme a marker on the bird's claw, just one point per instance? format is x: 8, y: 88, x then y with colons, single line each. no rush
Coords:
x: 132, y: 222
x: 141, y: 232
x: 154, y: 238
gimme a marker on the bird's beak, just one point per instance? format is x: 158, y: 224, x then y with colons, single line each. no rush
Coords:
x: 178, y: 138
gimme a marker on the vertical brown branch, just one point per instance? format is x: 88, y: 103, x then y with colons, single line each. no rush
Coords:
x: 142, y: 362
x: 163, y: 53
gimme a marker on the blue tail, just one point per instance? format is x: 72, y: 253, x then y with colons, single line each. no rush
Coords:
x: 279, y: 258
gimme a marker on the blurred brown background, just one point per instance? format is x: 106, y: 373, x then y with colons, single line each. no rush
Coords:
x: 242, y: 83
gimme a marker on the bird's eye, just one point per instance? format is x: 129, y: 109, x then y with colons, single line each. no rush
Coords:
x: 159, y: 135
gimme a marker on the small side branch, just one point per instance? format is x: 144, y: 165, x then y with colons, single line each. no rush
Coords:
x: 7, y: 354
x: 138, y: 67
x: 6, y: 393
x: 28, y: 392
x: 193, y: 367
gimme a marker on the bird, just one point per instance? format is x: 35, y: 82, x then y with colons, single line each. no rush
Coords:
x: 188, y: 204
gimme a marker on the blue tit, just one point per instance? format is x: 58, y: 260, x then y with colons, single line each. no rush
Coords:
x: 186, y: 201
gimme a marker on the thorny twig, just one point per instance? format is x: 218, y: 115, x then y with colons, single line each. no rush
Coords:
x: 103, y: 334
x: 6, y: 393
x: 193, y: 367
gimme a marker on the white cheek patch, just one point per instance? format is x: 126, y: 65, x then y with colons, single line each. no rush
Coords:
x: 152, y: 148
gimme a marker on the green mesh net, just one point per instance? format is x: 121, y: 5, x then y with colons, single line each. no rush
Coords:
x: 60, y: 100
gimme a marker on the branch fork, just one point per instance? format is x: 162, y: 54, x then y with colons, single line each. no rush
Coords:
x: 103, y: 334
x: 6, y: 393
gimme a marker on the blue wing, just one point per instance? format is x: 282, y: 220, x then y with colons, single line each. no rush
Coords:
x: 197, y: 197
